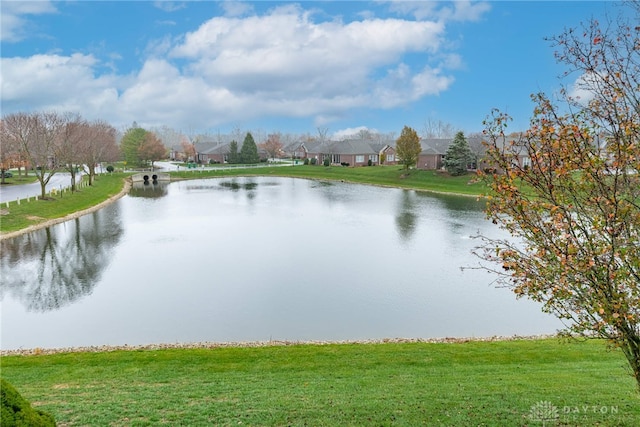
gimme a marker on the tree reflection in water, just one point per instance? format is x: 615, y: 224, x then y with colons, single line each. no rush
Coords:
x: 150, y: 189
x: 406, y: 217
x: 59, y: 264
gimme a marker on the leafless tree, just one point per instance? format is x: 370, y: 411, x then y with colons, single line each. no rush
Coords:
x: 98, y: 145
x: 437, y: 129
x: 8, y: 151
x: 323, y: 132
x: 68, y: 152
x: 37, y: 134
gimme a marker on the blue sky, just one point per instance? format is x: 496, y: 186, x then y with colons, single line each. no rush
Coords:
x: 292, y: 67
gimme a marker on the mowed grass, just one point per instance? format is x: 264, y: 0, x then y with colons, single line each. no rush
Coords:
x: 23, y: 178
x: 19, y: 216
x: 391, y: 176
x: 455, y: 384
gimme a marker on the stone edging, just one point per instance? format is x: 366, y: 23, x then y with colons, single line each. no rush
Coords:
x: 272, y: 343
x: 49, y: 223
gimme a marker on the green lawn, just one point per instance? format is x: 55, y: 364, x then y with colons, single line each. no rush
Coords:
x: 456, y: 384
x: 18, y: 216
x: 474, y: 383
x: 392, y: 176
x: 23, y: 178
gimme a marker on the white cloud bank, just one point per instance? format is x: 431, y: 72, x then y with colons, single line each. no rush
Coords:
x: 233, y: 69
x: 15, y: 24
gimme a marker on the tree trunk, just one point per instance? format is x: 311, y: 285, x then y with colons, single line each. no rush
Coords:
x: 72, y: 171
x: 43, y: 188
x: 631, y: 349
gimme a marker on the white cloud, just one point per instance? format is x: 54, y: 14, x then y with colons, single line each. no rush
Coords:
x: 236, y: 8
x: 584, y: 88
x: 14, y: 26
x: 310, y: 67
x: 347, y: 133
x: 232, y: 69
x: 467, y: 11
x: 64, y: 83
x: 457, y: 10
x: 169, y: 6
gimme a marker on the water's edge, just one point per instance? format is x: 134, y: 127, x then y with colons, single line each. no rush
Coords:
x: 272, y: 343
x: 78, y: 214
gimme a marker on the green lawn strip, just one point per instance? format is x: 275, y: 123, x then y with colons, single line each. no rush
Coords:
x: 392, y: 176
x: 19, y: 216
x: 473, y: 383
x: 20, y: 179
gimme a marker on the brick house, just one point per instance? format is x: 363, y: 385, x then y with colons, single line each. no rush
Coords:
x: 354, y: 152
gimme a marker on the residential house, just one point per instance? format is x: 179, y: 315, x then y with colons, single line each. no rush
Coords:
x: 300, y: 149
x: 352, y: 152
x: 386, y: 153
x: 518, y: 153
x: 434, y: 151
x: 218, y: 153
x: 204, y: 150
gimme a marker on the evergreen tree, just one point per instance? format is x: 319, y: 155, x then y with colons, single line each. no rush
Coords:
x: 249, y: 150
x: 130, y: 144
x: 234, y: 157
x: 408, y: 147
x: 458, y: 155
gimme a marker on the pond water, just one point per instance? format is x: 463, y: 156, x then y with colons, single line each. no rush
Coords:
x: 257, y: 259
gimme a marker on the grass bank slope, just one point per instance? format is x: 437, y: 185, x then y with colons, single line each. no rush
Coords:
x: 58, y: 207
x: 499, y: 383
x: 391, y: 176
x: 38, y: 213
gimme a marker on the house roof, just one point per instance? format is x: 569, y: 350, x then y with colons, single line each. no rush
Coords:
x: 439, y: 146
x: 203, y: 146
x: 353, y: 146
x: 435, y: 145
x: 222, y: 148
x: 309, y: 145
x: 348, y: 147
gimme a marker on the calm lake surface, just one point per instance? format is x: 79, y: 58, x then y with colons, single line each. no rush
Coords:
x: 256, y: 259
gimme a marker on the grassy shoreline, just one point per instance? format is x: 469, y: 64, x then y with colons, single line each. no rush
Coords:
x: 393, y: 382
x: 18, y: 219
x: 464, y: 383
x: 28, y: 216
x: 387, y: 176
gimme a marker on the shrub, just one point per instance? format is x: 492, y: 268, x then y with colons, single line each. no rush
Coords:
x: 326, y: 162
x: 16, y: 411
x: 306, y: 161
x: 314, y: 161
x: 110, y: 168
x: 370, y: 162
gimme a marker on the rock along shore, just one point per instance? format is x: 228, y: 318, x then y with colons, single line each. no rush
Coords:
x: 272, y: 343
